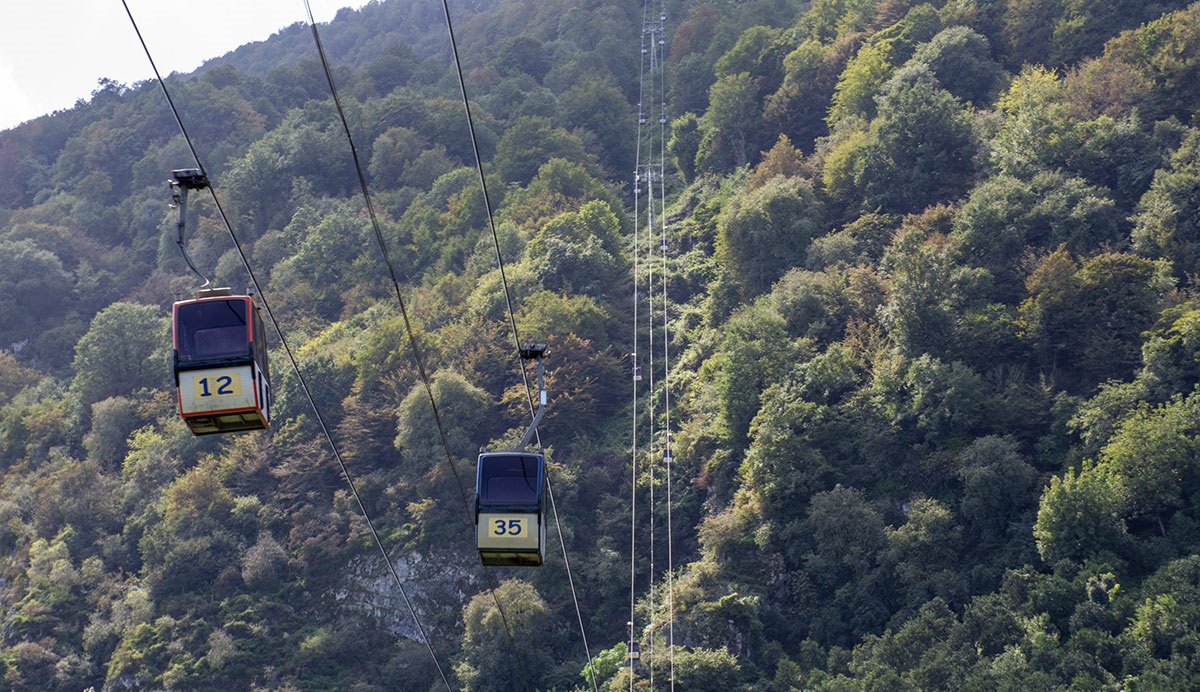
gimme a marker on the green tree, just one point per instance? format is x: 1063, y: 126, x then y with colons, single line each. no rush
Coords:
x: 308, y: 144
x: 919, y: 149
x: 560, y: 186
x: 1028, y: 31
x: 520, y: 96
x: 548, y: 312
x: 847, y: 535
x: 1091, y: 318
x: 858, y: 85
x: 960, y: 58
x: 747, y: 52
x: 393, y: 153
x: 1151, y: 460
x: 684, y: 144
x: 124, y: 350
x: 925, y: 551
x: 523, y: 54
x: 1159, y: 59
x: 998, y: 486
x: 1078, y: 518
x: 727, y: 128
x: 754, y: 352
x: 1036, y: 132
x: 705, y: 670
x: 1008, y: 215
x: 487, y: 662
x: 931, y: 289
x: 465, y: 413
x: 13, y: 377
x: 578, y: 252
x: 598, y: 106
x: 786, y: 461
x: 34, y: 289
x: 798, y: 108
x: 1169, y: 365
x: 1165, y: 225
x: 767, y: 231
x: 113, y: 421
x: 530, y: 142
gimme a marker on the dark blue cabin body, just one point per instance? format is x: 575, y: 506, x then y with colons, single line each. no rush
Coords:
x: 509, y: 526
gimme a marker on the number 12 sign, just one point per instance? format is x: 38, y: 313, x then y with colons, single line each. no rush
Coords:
x: 218, y: 389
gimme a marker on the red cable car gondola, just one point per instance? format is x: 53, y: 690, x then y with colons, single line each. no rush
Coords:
x: 221, y: 372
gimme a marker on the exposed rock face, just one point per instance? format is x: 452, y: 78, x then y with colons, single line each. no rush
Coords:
x: 437, y: 585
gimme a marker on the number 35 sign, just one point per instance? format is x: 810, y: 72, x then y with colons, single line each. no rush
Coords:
x: 508, y: 531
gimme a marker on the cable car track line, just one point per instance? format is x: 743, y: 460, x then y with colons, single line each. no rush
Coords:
x: 513, y: 321
x: 412, y: 339
x: 648, y: 171
x: 291, y: 357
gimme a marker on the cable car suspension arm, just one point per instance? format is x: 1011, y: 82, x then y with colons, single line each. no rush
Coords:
x: 183, y: 180
x: 534, y: 352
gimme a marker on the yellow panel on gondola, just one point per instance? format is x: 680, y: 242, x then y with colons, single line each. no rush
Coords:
x: 511, y: 539
x: 218, y: 389
x: 221, y: 371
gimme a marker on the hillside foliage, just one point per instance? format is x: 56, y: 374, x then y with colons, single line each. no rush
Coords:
x: 934, y: 379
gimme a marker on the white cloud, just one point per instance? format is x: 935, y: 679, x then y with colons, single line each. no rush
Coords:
x: 15, y: 104
x: 53, y: 52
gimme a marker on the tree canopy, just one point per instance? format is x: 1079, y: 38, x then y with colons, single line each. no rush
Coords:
x: 910, y: 290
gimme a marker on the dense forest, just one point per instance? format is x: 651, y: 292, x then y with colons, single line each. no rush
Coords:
x: 928, y: 290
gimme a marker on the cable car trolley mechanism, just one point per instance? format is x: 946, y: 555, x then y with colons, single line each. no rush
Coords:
x: 222, y: 377
x: 510, y: 529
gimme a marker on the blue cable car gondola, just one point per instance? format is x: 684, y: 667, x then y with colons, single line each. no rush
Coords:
x: 220, y: 360
x: 510, y: 529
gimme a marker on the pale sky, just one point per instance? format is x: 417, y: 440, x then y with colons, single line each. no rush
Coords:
x: 53, y: 52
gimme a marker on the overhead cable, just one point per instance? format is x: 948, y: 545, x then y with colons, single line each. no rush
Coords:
x: 291, y: 357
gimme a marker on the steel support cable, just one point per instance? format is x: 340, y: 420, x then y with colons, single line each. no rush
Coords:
x: 656, y: 209
x: 651, y: 408
x: 668, y: 454
x: 462, y: 84
x: 291, y: 356
x: 643, y: 174
x: 650, y: 172
x: 421, y: 370
x: 387, y: 260
x: 637, y: 191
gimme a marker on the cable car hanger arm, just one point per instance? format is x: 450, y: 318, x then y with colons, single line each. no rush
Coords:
x: 534, y: 352
x: 185, y: 179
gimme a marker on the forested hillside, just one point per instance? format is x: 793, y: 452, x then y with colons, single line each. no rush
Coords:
x: 929, y: 369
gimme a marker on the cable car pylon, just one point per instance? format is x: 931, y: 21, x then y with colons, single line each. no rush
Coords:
x: 510, y: 529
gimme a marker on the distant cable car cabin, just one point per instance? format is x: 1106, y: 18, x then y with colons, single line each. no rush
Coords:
x: 510, y: 529
x: 221, y: 372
